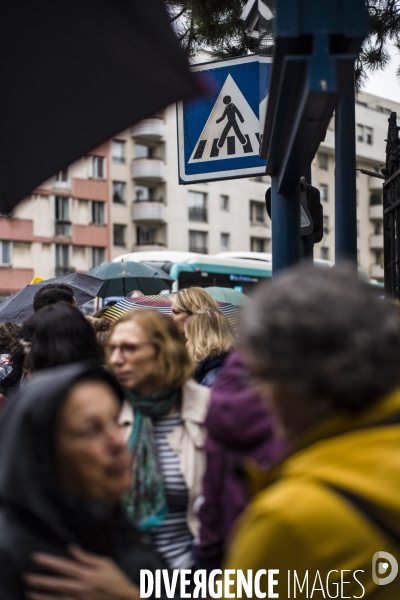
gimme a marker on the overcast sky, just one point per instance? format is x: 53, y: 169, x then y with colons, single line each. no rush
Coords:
x: 385, y: 83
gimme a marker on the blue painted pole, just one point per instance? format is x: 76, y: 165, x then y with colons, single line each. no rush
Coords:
x: 345, y: 177
x: 285, y: 210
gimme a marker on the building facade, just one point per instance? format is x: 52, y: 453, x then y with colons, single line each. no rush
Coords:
x: 125, y: 197
x: 63, y: 227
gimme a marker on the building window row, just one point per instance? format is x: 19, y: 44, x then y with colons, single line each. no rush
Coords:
x: 5, y: 253
x: 364, y: 134
x: 98, y: 213
x: 118, y: 151
x: 97, y: 167
x: 198, y: 242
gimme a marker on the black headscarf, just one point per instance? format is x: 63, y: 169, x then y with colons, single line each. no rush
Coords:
x: 28, y: 484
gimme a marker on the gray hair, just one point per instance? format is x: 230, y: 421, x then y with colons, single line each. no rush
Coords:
x: 322, y: 333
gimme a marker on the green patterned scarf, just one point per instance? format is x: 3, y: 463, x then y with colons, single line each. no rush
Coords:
x: 146, y: 501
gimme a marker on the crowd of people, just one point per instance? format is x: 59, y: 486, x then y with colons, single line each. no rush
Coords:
x: 175, y: 442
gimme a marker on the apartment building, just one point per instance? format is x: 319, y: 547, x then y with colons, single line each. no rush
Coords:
x: 125, y: 197
x: 372, y: 115
x: 63, y: 227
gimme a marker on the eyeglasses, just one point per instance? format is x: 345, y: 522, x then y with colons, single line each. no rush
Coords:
x: 127, y: 350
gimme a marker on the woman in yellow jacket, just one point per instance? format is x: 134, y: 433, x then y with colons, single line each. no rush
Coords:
x: 325, y: 523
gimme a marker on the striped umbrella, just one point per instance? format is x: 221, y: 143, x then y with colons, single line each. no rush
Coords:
x: 162, y: 304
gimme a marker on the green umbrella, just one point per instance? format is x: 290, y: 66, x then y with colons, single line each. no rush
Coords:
x: 222, y: 294
x: 122, y: 277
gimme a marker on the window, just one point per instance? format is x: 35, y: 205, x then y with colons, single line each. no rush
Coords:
x: 198, y: 242
x: 98, y: 213
x: 144, y: 194
x: 62, y: 178
x: 323, y: 192
x: 118, y: 192
x: 360, y: 133
x: 326, y: 224
x: 142, y: 151
x: 119, y: 234
x: 258, y: 244
x: 97, y: 167
x: 62, y: 216
x: 146, y: 235
x: 98, y: 256
x: 225, y: 241
x: 378, y: 254
x: 118, y: 151
x: 257, y: 212
x: 5, y: 253
x: 324, y: 253
x: 197, y: 202
x: 378, y: 228
x: 224, y: 202
x: 369, y: 135
x: 62, y: 260
x: 323, y: 161
x: 375, y: 198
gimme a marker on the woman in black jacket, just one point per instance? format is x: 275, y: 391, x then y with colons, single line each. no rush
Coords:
x: 63, y: 467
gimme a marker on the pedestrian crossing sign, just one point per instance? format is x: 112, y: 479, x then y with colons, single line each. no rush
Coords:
x: 219, y: 135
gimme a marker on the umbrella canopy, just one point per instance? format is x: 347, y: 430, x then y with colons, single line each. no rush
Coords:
x: 223, y: 294
x: 162, y: 304
x: 122, y: 277
x: 19, y: 307
x: 74, y: 74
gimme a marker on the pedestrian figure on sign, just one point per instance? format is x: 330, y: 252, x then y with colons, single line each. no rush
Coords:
x: 230, y: 112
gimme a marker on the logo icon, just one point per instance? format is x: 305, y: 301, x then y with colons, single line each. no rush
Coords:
x: 380, y: 565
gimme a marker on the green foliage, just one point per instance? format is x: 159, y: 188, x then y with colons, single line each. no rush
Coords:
x: 211, y: 25
x: 214, y: 25
x: 384, y: 27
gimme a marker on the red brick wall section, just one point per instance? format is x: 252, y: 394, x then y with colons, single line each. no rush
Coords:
x: 90, y: 235
x: 13, y: 280
x: 16, y: 229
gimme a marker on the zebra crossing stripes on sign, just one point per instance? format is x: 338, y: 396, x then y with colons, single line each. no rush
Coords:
x: 219, y: 136
x: 230, y: 130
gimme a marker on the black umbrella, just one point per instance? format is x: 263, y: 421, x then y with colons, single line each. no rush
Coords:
x: 122, y: 277
x: 19, y: 307
x: 74, y: 73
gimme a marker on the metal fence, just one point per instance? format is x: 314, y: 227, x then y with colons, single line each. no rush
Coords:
x: 391, y: 211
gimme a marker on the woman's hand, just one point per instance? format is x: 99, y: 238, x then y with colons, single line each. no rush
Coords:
x: 87, y: 577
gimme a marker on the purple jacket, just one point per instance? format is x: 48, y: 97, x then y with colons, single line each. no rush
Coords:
x: 239, y: 426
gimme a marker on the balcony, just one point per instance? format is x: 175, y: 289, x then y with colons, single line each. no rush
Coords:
x: 198, y: 214
x: 63, y: 229
x: 376, y: 211
x: 149, y: 246
x: 150, y: 169
x: 148, y: 211
x: 62, y: 271
x: 198, y: 249
x: 150, y: 129
x: 376, y: 241
x: 375, y: 183
x: 376, y: 272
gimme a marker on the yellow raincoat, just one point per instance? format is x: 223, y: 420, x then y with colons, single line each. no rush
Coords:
x: 300, y: 520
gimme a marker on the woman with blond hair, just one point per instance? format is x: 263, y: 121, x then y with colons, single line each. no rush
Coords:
x: 209, y: 342
x: 148, y: 357
x: 188, y: 301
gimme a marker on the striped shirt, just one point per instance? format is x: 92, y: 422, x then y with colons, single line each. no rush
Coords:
x: 173, y: 538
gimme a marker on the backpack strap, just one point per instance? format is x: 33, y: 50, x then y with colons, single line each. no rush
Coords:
x: 370, y: 511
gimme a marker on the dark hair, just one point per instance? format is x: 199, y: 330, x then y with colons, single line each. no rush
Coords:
x: 57, y: 335
x: 10, y: 343
x: 322, y: 333
x: 51, y: 294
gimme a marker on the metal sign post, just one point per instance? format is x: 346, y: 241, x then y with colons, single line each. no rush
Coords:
x: 219, y: 136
